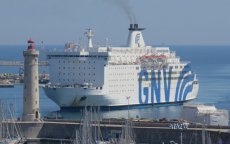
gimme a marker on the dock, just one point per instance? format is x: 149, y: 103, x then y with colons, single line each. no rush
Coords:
x: 20, y: 63
x: 19, y: 79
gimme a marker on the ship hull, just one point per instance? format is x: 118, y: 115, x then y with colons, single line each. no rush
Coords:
x: 70, y: 97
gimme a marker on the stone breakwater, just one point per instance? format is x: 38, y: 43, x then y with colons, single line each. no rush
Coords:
x: 144, y: 131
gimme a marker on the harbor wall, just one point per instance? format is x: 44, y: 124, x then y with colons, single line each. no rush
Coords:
x: 142, y: 133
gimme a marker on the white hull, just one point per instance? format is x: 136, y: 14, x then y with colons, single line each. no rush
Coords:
x: 78, y: 97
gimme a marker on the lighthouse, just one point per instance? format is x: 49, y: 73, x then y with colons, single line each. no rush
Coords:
x: 31, y: 85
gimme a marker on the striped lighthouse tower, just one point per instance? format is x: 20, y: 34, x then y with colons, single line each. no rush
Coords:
x: 31, y: 85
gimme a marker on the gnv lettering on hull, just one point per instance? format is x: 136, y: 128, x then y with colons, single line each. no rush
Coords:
x: 152, y: 92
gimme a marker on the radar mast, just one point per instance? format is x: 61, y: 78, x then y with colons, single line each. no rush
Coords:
x: 90, y: 34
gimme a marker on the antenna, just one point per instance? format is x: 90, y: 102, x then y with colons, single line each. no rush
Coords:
x: 42, y: 53
x: 107, y: 42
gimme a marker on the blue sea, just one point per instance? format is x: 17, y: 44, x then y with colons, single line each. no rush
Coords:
x: 211, y: 63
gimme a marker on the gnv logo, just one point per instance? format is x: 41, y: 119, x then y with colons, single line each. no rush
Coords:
x: 137, y: 38
x: 153, y: 93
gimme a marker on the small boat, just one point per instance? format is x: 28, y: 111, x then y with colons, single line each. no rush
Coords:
x: 6, y: 84
x: 12, y: 133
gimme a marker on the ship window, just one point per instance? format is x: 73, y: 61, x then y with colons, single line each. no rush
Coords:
x: 176, y: 67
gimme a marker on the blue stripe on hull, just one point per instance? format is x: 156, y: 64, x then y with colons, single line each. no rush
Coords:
x: 156, y: 87
x: 167, y: 85
x: 125, y: 107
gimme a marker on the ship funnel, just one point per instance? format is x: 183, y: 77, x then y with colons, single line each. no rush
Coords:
x: 135, y: 39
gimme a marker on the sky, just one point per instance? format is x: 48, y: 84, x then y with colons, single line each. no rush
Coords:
x: 168, y: 22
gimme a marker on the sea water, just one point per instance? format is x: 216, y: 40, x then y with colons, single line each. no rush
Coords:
x: 210, y: 63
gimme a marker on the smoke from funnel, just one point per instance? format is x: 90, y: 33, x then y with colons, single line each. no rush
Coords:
x: 125, y: 6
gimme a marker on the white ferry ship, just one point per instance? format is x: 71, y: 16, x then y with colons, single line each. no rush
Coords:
x: 135, y: 75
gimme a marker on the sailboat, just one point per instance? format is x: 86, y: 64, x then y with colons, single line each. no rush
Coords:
x: 85, y: 133
x: 12, y: 136
x: 127, y: 136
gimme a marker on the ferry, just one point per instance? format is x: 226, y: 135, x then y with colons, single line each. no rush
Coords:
x: 135, y: 75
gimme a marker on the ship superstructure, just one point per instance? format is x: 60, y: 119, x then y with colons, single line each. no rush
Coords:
x: 119, y: 76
